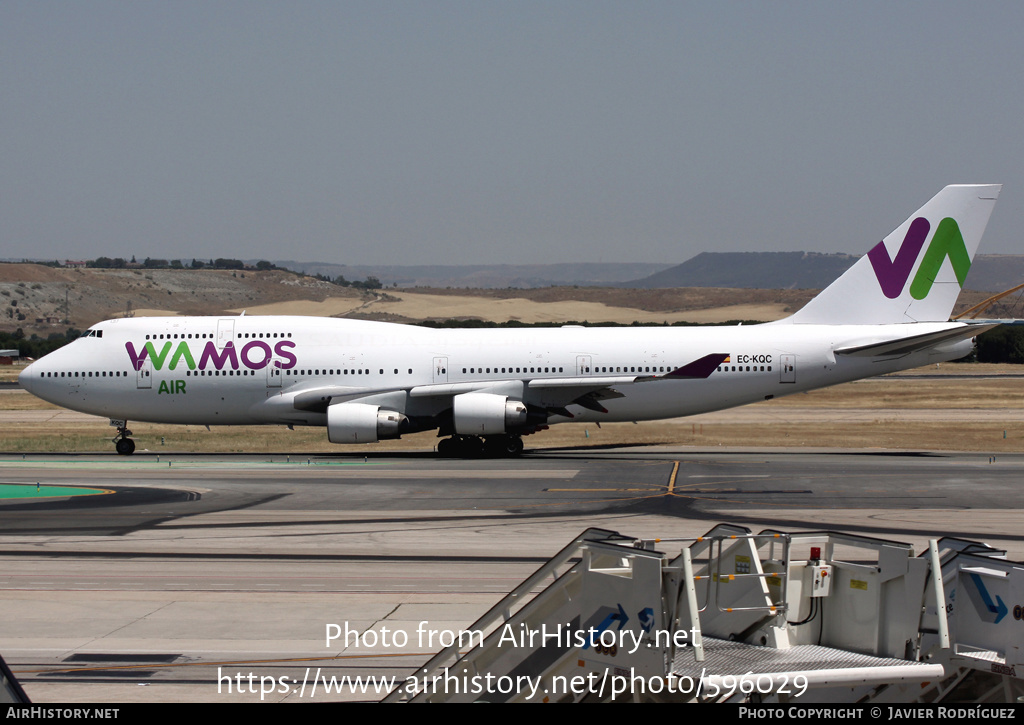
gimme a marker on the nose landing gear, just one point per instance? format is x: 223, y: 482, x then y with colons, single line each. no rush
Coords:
x: 123, y: 443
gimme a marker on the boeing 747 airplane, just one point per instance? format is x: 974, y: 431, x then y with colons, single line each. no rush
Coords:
x: 482, y: 390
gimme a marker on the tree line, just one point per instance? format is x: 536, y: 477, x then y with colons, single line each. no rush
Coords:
x: 34, y: 346
x: 150, y: 263
x: 1004, y: 344
x: 370, y: 283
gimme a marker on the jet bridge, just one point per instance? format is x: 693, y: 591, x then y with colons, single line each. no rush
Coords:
x: 735, y: 616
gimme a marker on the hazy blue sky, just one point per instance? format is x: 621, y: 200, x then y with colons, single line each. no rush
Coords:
x: 483, y: 132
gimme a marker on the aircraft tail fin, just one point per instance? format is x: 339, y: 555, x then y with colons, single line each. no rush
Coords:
x: 916, y: 273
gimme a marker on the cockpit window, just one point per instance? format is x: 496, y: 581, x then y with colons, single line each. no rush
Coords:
x: 92, y: 333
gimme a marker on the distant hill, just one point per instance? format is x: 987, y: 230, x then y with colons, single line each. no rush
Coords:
x: 805, y: 270
x: 751, y: 270
x: 484, y: 276
x: 995, y: 272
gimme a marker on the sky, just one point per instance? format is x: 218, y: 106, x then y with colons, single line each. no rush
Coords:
x: 519, y: 132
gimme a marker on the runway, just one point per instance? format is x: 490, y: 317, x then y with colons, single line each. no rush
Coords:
x: 196, y: 565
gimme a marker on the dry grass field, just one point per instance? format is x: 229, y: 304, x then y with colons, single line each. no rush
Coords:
x: 406, y: 305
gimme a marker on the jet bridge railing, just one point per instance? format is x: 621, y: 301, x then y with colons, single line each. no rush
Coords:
x: 681, y: 595
x: 716, y: 575
x: 752, y: 600
x: 720, y: 576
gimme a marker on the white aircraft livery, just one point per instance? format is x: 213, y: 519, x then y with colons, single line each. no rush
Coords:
x: 482, y: 390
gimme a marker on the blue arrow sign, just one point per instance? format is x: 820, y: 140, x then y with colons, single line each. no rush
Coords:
x: 997, y: 608
x: 620, y: 616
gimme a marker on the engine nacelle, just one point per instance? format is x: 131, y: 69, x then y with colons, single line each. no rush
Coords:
x: 487, y: 414
x: 362, y: 423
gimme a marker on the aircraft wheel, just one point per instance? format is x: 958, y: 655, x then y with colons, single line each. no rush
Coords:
x: 507, y: 446
x: 463, y: 447
x: 125, y: 446
x: 472, y: 447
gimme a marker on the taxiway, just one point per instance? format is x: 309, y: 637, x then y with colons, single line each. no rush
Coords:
x: 194, y: 567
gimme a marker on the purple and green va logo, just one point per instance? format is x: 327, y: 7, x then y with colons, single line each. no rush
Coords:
x: 893, y: 274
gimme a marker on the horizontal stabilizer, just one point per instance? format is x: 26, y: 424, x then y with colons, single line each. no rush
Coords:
x: 914, y: 343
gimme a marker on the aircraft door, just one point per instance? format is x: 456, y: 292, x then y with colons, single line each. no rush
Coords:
x: 274, y: 373
x: 144, y: 375
x: 583, y: 366
x: 787, y: 368
x: 225, y: 333
x: 440, y: 370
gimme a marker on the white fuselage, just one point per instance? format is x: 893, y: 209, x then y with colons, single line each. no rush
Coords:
x: 259, y: 370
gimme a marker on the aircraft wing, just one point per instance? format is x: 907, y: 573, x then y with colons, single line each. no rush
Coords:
x: 913, y: 343
x: 557, y: 392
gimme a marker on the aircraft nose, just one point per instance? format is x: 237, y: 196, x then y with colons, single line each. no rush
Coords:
x: 26, y: 377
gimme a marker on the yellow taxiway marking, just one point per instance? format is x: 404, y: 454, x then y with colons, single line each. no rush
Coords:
x: 601, y: 490
x: 672, y: 478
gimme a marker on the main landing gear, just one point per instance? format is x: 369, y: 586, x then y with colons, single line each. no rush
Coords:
x: 503, y: 446
x: 122, y: 442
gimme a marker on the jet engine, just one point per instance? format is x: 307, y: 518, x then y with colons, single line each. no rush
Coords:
x: 480, y: 414
x: 362, y: 423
